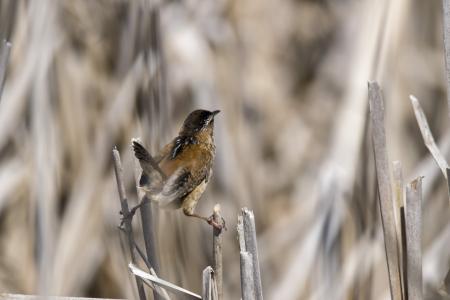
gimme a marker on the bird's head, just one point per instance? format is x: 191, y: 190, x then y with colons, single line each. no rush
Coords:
x: 197, y: 121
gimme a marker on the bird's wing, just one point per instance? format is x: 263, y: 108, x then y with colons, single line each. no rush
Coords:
x: 180, y: 143
x: 178, y: 185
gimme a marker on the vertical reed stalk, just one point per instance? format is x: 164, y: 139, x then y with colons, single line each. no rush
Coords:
x: 217, y: 246
x: 376, y: 107
x: 126, y: 213
x: 252, y: 247
x: 4, y: 57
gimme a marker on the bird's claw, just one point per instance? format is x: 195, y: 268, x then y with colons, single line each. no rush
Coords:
x: 216, y: 225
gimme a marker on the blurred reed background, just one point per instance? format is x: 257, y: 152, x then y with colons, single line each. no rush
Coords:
x: 290, y: 78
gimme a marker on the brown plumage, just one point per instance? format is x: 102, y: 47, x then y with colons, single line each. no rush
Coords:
x: 178, y: 175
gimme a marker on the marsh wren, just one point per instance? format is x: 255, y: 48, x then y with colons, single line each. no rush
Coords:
x: 177, y: 176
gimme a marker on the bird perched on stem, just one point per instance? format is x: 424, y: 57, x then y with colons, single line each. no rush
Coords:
x: 177, y: 176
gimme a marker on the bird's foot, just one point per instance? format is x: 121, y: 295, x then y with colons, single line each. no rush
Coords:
x: 210, y: 220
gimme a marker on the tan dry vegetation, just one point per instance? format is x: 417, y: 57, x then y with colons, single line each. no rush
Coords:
x: 291, y: 80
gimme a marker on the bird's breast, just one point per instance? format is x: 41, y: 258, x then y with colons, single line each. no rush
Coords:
x: 195, y: 157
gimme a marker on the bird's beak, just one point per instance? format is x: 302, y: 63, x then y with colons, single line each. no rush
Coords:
x: 214, y: 113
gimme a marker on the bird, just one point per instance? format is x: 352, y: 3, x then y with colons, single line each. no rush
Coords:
x: 178, y: 175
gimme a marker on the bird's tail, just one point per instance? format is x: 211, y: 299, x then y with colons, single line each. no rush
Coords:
x: 152, y: 178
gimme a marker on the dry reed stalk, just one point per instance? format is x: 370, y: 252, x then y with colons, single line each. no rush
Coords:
x: 247, y: 281
x: 35, y: 297
x: 398, y: 207
x: 446, y: 25
x: 414, y: 239
x: 148, y: 232
x: 376, y: 108
x: 427, y: 167
x: 428, y: 136
x: 126, y: 213
x: 404, y: 251
x: 217, y: 252
x: 146, y: 213
x: 398, y: 189
x: 251, y: 246
x: 153, y: 281
x: 4, y: 57
x: 429, y: 140
x: 246, y: 264
x: 209, y: 289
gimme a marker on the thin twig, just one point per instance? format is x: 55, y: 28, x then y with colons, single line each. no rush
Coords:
x: 414, y: 239
x: 247, y: 281
x: 376, y: 107
x: 162, y: 283
x: 217, y: 246
x: 252, y: 247
x: 125, y: 213
x: 4, y: 57
x: 446, y: 21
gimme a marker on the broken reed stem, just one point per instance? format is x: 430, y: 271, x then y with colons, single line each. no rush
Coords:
x: 4, y: 57
x: 246, y: 264
x: 207, y: 283
x: 429, y: 140
x: 209, y: 291
x: 251, y: 246
x: 446, y: 23
x: 217, y: 246
x: 414, y: 239
x: 125, y: 213
x: 376, y: 107
x: 240, y: 232
x: 247, y: 281
x: 153, y: 281
x: 428, y: 136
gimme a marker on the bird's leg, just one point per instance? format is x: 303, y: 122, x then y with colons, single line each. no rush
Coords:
x: 209, y: 220
x: 129, y: 215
